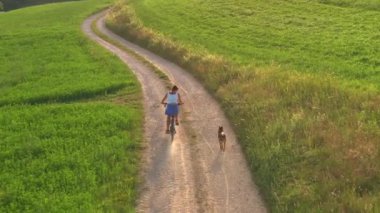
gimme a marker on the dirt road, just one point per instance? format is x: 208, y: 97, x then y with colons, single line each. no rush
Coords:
x: 189, y: 174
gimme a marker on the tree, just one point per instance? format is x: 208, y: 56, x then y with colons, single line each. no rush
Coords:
x: 1, y: 6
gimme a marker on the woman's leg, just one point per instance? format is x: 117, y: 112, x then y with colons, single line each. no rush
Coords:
x: 176, y: 119
x: 167, y: 123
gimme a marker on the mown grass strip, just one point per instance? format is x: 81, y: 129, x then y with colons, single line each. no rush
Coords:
x: 311, y: 143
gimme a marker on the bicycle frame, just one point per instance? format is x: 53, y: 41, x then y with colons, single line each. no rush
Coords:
x: 172, y: 130
x: 172, y: 127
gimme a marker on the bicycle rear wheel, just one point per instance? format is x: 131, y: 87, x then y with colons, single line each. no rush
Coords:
x: 172, y: 128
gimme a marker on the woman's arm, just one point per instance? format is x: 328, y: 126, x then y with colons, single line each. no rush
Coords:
x: 163, y: 100
x: 179, y: 99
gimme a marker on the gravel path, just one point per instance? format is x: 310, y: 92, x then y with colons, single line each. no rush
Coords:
x: 189, y: 174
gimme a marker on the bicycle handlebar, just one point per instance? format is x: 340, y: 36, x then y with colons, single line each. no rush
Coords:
x: 167, y: 103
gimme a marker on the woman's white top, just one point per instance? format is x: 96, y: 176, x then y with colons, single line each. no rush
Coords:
x: 172, y: 98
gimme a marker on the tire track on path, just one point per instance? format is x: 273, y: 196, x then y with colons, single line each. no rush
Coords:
x: 189, y: 174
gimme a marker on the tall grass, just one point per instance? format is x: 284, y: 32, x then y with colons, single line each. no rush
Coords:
x: 70, y: 115
x: 312, y: 144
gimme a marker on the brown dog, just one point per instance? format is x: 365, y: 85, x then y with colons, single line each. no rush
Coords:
x: 222, y: 139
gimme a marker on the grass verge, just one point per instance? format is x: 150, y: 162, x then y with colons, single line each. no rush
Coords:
x: 312, y: 144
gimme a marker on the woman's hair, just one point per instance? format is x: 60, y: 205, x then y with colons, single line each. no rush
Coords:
x: 174, y: 88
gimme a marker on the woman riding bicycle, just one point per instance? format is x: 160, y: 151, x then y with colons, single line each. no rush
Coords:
x: 171, y: 100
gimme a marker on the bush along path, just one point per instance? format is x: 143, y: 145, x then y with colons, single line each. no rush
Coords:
x: 189, y: 174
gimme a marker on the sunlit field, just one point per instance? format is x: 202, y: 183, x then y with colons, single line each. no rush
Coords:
x: 78, y: 157
x: 45, y: 57
x: 298, y: 79
x: 300, y: 35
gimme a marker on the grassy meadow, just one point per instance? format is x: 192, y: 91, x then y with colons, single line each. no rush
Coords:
x: 45, y: 57
x: 298, y: 79
x: 300, y: 35
x: 77, y: 157
x: 70, y: 115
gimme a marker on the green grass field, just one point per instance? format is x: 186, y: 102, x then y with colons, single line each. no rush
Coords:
x: 44, y: 57
x: 298, y: 79
x: 77, y: 157
x: 297, y: 34
x: 70, y: 115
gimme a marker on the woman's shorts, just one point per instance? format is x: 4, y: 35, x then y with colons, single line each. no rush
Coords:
x: 172, y: 109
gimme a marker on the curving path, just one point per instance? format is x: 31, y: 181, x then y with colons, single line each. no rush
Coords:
x: 189, y: 174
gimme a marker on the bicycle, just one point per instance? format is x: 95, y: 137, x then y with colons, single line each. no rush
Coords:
x: 172, y: 130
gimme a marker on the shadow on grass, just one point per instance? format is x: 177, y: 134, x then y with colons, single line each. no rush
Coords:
x: 17, y: 4
x: 74, y: 96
